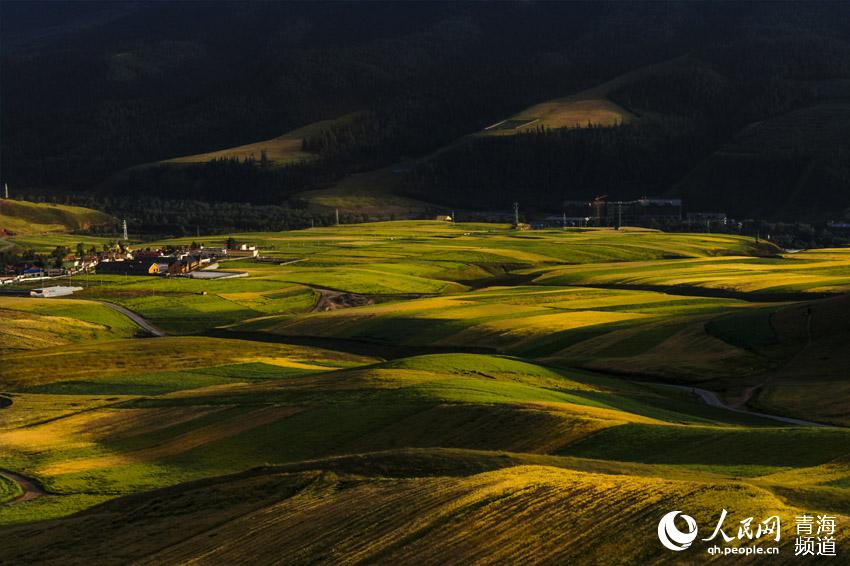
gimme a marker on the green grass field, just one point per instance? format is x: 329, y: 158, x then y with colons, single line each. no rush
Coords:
x: 486, y: 375
x: 9, y: 490
x: 47, y: 242
x: 179, y: 305
x: 32, y: 324
x: 811, y: 271
x: 22, y: 217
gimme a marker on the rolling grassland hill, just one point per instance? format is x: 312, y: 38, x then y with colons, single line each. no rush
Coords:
x: 593, y: 107
x: 19, y: 217
x: 432, y: 392
x: 520, y: 514
x: 32, y: 324
x: 281, y: 150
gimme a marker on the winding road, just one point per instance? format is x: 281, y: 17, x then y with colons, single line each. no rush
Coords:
x: 712, y: 399
x: 135, y: 318
x: 31, y: 488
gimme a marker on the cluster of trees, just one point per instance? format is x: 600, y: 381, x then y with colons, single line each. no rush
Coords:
x: 222, y: 180
x: 161, y: 216
x: 692, y: 139
x: 13, y: 257
x: 543, y: 168
x: 175, y: 79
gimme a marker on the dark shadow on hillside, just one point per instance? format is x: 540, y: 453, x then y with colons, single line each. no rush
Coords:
x: 765, y: 297
x: 350, y: 346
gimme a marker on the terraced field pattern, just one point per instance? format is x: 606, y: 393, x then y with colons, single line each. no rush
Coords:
x: 429, y: 392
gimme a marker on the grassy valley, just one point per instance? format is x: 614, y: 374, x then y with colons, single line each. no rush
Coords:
x: 447, y: 373
x: 437, y: 283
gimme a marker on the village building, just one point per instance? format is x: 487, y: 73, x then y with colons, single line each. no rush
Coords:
x: 55, y: 291
x: 32, y: 272
x: 243, y: 251
x: 128, y: 267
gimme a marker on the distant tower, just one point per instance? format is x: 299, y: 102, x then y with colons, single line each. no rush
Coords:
x: 125, y: 231
x: 516, y: 214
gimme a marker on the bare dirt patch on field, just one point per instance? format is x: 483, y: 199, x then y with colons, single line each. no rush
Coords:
x: 334, y: 300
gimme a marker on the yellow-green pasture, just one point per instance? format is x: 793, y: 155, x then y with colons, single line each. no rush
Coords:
x: 98, y: 420
x: 103, y: 420
x: 46, y: 243
x: 525, y: 513
x: 524, y: 320
x: 23, y: 217
x: 182, y: 305
x: 430, y: 257
x: 282, y: 150
x: 436, y: 240
x: 31, y: 323
x: 119, y: 359
x: 811, y: 271
x: 569, y: 112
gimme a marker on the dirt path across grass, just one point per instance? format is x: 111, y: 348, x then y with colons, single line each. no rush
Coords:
x: 330, y: 300
x: 135, y: 317
x: 32, y: 489
x: 713, y: 399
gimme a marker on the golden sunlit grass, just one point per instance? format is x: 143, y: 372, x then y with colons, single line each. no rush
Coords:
x: 31, y: 324
x: 123, y: 357
x: 509, y: 319
x: 512, y: 515
x: 444, y: 456
x: 28, y: 410
x: 570, y: 112
x: 179, y: 444
x: 809, y: 271
x: 22, y: 217
x: 281, y: 150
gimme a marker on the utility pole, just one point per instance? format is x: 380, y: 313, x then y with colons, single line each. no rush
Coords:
x: 6, y: 186
x: 337, y: 217
x: 516, y: 214
x: 125, y: 230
